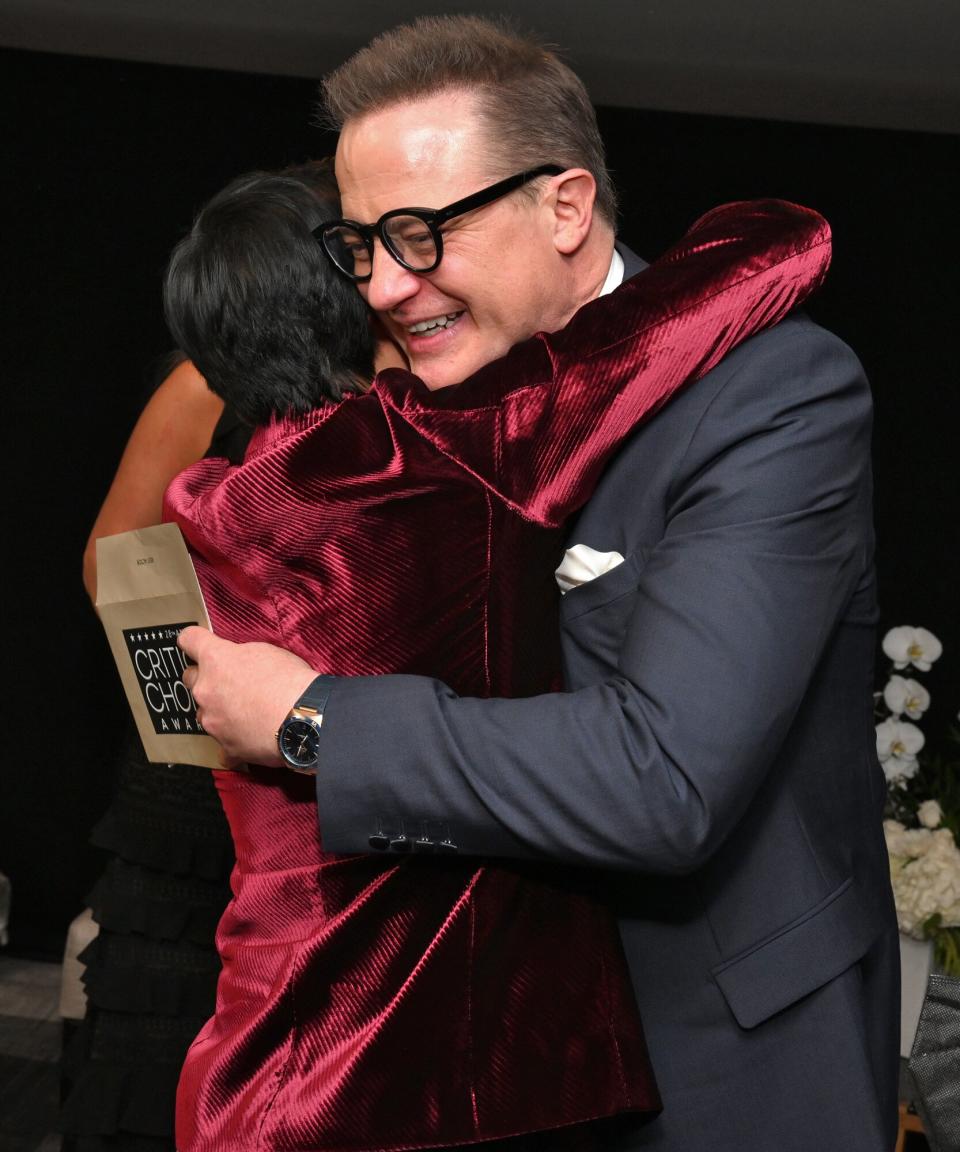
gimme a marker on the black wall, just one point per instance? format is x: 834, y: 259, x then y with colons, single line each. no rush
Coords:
x: 106, y: 163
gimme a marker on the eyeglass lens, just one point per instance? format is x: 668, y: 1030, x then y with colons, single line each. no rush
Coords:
x: 350, y: 251
x: 411, y: 241
x: 408, y: 238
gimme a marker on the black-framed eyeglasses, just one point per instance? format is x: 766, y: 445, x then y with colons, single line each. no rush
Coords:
x: 412, y: 236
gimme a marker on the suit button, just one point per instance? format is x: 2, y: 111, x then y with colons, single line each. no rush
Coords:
x: 401, y: 844
x: 379, y: 842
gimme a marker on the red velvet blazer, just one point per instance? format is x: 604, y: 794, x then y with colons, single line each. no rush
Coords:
x: 371, y: 1003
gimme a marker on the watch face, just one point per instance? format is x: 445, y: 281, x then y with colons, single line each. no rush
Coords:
x: 300, y: 743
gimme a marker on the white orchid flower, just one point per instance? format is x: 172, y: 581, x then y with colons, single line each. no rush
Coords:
x: 908, y: 645
x: 925, y: 871
x: 901, y: 695
x: 930, y: 814
x: 898, y: 743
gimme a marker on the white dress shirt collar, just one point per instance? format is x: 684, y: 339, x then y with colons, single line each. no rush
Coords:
x: 614, y: 275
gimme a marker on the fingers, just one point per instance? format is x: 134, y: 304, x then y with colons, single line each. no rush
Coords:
x: 205, y: 680
x: 242, y: 693
x: 193, y: 640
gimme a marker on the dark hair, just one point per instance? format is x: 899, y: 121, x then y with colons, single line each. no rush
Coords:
x: 535, y: 107
x: 252, y: 299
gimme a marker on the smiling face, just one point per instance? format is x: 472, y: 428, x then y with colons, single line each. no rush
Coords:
x: 506, y: 270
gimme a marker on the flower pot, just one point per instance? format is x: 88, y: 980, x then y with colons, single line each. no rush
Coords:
x: 916, y: 963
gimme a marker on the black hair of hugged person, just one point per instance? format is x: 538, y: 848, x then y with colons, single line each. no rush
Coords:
x: 251, y: 297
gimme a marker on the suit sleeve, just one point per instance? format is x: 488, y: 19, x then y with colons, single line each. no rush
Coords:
x: 767, y: 535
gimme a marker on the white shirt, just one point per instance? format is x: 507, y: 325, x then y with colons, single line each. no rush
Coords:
x: 615, y: 275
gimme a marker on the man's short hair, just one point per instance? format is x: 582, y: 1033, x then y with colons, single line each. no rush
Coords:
x: 251, y: 297
x: 535, y: 107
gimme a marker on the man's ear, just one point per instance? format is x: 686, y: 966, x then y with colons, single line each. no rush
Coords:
x: 573, y: 196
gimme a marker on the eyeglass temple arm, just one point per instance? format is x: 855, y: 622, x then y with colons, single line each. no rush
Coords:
x: 494, y: 192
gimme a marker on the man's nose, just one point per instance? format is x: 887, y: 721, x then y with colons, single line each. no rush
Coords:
x: 390, y: 283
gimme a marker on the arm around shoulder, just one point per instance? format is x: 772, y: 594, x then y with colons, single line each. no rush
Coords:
x: 766, y: 536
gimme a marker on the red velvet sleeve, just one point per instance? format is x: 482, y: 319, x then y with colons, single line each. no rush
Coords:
x: 566, y: 401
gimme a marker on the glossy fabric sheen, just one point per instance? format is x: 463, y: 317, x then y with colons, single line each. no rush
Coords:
x: 384, y: 1002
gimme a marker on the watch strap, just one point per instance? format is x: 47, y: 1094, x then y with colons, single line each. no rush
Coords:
x: 317, y: 694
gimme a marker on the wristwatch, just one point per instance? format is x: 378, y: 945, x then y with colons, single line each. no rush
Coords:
x: 298, y: 737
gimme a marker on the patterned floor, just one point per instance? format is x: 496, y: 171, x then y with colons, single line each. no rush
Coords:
x: 30, y: 1031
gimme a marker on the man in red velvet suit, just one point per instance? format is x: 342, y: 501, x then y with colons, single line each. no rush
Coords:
x: 715, y: 753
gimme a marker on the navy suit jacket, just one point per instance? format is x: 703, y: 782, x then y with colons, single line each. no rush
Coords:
x: 714, y: 755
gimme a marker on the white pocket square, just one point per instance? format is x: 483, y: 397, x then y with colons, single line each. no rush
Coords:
x: 581, y: 564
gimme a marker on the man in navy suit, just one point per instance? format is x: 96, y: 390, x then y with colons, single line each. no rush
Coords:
x: 714, y: 755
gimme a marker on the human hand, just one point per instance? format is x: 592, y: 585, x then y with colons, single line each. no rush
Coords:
x: 243, y: 693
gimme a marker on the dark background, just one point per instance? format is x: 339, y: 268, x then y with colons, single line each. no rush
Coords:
x: 105, y: 164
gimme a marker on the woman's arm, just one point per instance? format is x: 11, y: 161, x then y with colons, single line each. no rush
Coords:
x: 172, y: 432
x: 566, y: 401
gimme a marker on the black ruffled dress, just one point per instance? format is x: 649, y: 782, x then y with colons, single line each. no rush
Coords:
x: 151, y: 972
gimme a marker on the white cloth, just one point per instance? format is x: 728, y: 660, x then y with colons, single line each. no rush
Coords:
x: 581, y: 564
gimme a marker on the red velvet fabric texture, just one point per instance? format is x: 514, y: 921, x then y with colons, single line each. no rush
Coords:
x: 381, y: 1002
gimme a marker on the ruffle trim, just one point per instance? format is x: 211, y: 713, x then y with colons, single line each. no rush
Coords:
x: 128, y: 900
x: 143, y: 982
x: 111, y: 1102
x: 119, y: 1076
x: 119, y: 1142
x: 169, y: 845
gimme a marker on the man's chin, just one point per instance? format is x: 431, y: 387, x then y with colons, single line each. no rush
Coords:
x: 443, y: 371
x: 437, y: 373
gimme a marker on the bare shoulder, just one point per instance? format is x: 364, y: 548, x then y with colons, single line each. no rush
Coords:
x: 184, y: 386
